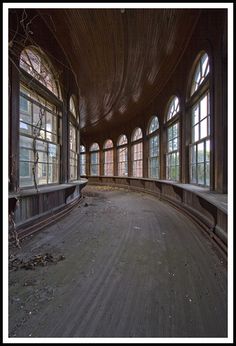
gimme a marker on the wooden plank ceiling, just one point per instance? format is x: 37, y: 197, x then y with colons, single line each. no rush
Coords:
x: 121, y: 59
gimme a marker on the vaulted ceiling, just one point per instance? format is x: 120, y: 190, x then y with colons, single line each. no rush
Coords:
x: 121, y: 58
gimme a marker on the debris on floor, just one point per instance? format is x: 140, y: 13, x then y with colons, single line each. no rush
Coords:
x: 38, y: 260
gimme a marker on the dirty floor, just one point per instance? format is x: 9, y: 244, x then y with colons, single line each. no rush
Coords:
x: 123, y: 264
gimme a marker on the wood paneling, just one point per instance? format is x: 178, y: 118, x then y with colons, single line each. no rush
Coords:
x: 121, y: 60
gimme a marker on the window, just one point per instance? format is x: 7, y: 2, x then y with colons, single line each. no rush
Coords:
x: 201, y: 72
x: 200, y: 125
x: 39, y: 139
x: 137, y: 153
x: 108, y: 158
x: 94, y: 159
x: 39, y: 122
x: 173, y: 138
x: 82, y: 160
x: 153, y: 157
x: 33, y: 62
x: 122, y: 156
x: 72, y: 107
x: 73, y: 152
x: 73, y: 139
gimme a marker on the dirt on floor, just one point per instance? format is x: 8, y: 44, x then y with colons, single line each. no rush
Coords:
x: 120, y: 264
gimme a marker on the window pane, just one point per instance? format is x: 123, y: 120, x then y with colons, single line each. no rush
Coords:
x: 175, y: 130
x: 122, y: 161
x: 137, y: 153
x: 170, y: 131
x: 53, y: 170
x: 193, y: 154
x: 208, y: 173
x: 208, y: 150
x: 82, y: 149
x: 195, y: 115
x: 154, y: 125
x: 72, y: 107
x: 40, y: 145
x: 195, y: 133
x: 137, y: 134
x: 26, y: 155
x: 26, y: 176
x: 200, y: 152
x: 26, y: 142
x: 25, y: 128
x: 200, y: 173
x: 122, y: 140
x: 203, y: 128
x: 42, y: 157
x: 175, y: 144
x: 94, y: 147
x: 42, y: 173
x: 25, y: 106
x: 203, y: 107
x: 25, y: 110
x: 108, y: 144
x: 52, y: 153
x: 205, y: 65
x: 108, y: 162
x: 173, y: 108
x: 38, y: 116
x: 193, y: 174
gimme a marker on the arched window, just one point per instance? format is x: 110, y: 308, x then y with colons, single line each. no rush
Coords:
x: 82, y: 160
x: 173, y: 140
x: 72, y: 106
x: 201, y: 72
x: 34, y: 62
x: 108, y: 158
x: 137, y: 153
x: 153, y: 140
x: 94, y: 159
x: 200, y: 124
x: 122, y: 155
x: 73, y: 140
x: 40, y: 118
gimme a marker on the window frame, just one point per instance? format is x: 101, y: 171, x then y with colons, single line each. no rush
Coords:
x: 83, y: 164
x: 194, y: 102
x: 122, y: 166
x: 73, y: 154
x: 36, y: 98
x: 93, y: 152
x: 150, y: 136
x: 173, y: 155
x: 108, y: 164
x: 136, y: 144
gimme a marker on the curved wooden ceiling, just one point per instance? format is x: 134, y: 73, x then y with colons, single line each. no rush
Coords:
x: 121, y: 59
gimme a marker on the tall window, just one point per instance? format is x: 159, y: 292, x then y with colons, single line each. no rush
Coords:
x: 173, y: 138
x: 94, y: 159
x: 73, y: 140
x: 137, y: 153
x: 40, y: 118
x: 108, y: 158
x: 153, y: 157
x: 200, y: 124
x: 122, y: 155
x: 82, y: 160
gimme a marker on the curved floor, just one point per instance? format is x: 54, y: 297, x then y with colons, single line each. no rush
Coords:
x: 134, y: 267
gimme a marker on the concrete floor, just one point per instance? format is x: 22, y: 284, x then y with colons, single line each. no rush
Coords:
x: 134, y: 267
